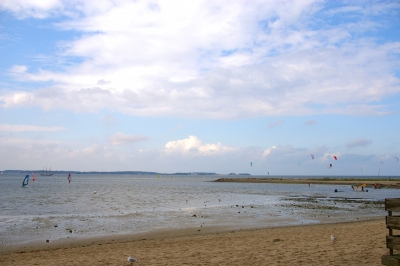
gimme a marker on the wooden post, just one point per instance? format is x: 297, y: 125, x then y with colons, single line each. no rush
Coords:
x: 390, y: 231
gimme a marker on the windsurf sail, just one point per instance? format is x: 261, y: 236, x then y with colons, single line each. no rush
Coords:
x: 25, y: 182
x: 69, y: 178
x: 34, y: 177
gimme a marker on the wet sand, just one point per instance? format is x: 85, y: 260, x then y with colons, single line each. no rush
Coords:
x: 359, y: 243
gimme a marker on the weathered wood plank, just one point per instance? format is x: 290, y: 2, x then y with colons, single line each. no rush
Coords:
x: 393, y: 222
x: 393, y: 260
x: 392, y: 204
x: 393, y: 242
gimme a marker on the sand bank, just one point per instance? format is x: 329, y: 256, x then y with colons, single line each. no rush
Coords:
x: 384, y: 183
x: 359, y: 243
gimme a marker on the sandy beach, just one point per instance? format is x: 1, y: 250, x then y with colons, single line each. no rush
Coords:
x: 359, y: 243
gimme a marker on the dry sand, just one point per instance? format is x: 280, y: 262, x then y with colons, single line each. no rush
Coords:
x: 359, y: 243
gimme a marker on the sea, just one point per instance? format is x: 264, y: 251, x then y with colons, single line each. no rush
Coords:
x: 53, y: 209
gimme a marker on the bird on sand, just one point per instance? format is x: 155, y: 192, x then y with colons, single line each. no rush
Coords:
x: 130, y: 259
x: 333, y: 238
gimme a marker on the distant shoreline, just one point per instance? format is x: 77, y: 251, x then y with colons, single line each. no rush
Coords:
x: 60, y: 172
x: 383, y: 183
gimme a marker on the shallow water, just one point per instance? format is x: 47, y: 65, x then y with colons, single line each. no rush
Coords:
x: 97, y: 205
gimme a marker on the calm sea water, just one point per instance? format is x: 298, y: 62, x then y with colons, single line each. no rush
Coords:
x: 99, y: 205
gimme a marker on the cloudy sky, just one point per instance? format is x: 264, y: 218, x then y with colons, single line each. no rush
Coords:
x: 214, y: 86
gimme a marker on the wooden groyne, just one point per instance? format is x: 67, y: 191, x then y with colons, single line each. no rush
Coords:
x: 392, y: 239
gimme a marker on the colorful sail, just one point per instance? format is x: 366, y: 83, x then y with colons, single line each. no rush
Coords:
x: 25, y: 182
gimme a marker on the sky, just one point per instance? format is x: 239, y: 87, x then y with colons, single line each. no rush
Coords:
x: 257, y: 87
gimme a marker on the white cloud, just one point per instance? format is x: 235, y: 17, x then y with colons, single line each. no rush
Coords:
x: 281, y: 152
x: 109, y: 120
x: 276, y: 123
x: 40, y: 144
x: 194, y: 146
x: 310, y: 122
x: 94, y: 149
x: 20, y: 153
x: 360, y: 142
x: 120, y: 138
x: 31, y: 8
x: 268, y: 151
x: 184, y: 145
x: 18, y: 69
x: 280, y: 88
x: 21, y: 128
x: 102, y: 82
x: 223, y: 60
x: 188, y: 154
x: 328, y: 156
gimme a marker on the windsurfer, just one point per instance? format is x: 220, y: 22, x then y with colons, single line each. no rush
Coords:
x: 25, y: 182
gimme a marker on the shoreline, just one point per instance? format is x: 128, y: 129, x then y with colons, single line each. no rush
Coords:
x: 116, y: 238
x: 328, y: 181
x: 219, y: 246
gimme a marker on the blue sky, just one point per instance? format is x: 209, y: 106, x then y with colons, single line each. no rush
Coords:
x: 188, y: 86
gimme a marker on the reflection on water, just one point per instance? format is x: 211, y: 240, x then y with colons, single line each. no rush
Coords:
x: 95, y: 205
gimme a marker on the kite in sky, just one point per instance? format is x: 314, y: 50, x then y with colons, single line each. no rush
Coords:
x: 251, y: 164
x: 334, y: 157
x: 312, y: 156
